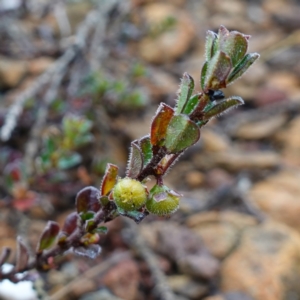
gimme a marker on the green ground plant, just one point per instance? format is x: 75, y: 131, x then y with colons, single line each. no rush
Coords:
x: 173, y: 131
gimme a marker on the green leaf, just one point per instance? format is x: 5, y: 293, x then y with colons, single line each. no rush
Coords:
x: 159, y: 125
x: 185, y: 91
x: 89, y: 224
x: 50, y: 145
x: 211, y: 39
x: 135, y: 99
x: 235, y: 45
x: 191, y: 104
x: 104, y: 200
x: 87, y: 215
x: 146, y: 148
x: 217, y: 72
x: 242, y: 67
x: 135, y: 163
x: 68, y: 160
x: 109, y: 179
x: 203, y: 75
x: 84, y: 125
x: 223, y: 106
x: 48, y: 236
x: 203, y: 102
x: 135, y: 215
x: 83, y: 139
x: 101, y: 230
x: 181, y: 134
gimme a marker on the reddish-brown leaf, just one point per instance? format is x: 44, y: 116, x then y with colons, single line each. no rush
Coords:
x: 48, y: 236
x: 22, y: 255
x: 160, y: 124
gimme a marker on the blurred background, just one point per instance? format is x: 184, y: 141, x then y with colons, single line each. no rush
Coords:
x: 79, y: 80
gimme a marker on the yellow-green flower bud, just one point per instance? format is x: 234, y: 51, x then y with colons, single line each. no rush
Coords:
x: 162, y: 201
x: 129, y: 194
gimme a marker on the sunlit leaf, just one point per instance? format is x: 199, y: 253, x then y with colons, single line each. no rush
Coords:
x: 109, y: 179
x: 159, y: 125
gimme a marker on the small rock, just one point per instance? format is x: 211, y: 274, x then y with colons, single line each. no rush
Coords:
x: 235, y: 160
x: 39, y: 65
x: 103, y: 294
x: 123, y: 279
x: 213, y: 141
x: 289, y: 137
x: 84, y: 286
x: 240, y: 221
x: 173, y: 2
x: 278, y: 197
x: 187, y: 287
x: 267, y: 95
x: 183, y: 247
x: 266, y: 265
x: 194, y: 179
x: 260, y: 129
x: 12, y: 72
x: 218, y: 177
x: 220, y: 231
x: 10, y: 243
x: 170, y: 44
x: 160, y: 83
x: 220, y: 239
x: 232, y: 8
x: 77, y: 11
x: 230, y: 296
x: 216, y: 297
x: 288, y: 17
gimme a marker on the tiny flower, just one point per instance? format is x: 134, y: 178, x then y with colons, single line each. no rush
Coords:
x: 129, y: 194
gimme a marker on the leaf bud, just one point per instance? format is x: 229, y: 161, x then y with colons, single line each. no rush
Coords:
x: 162, y: 201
